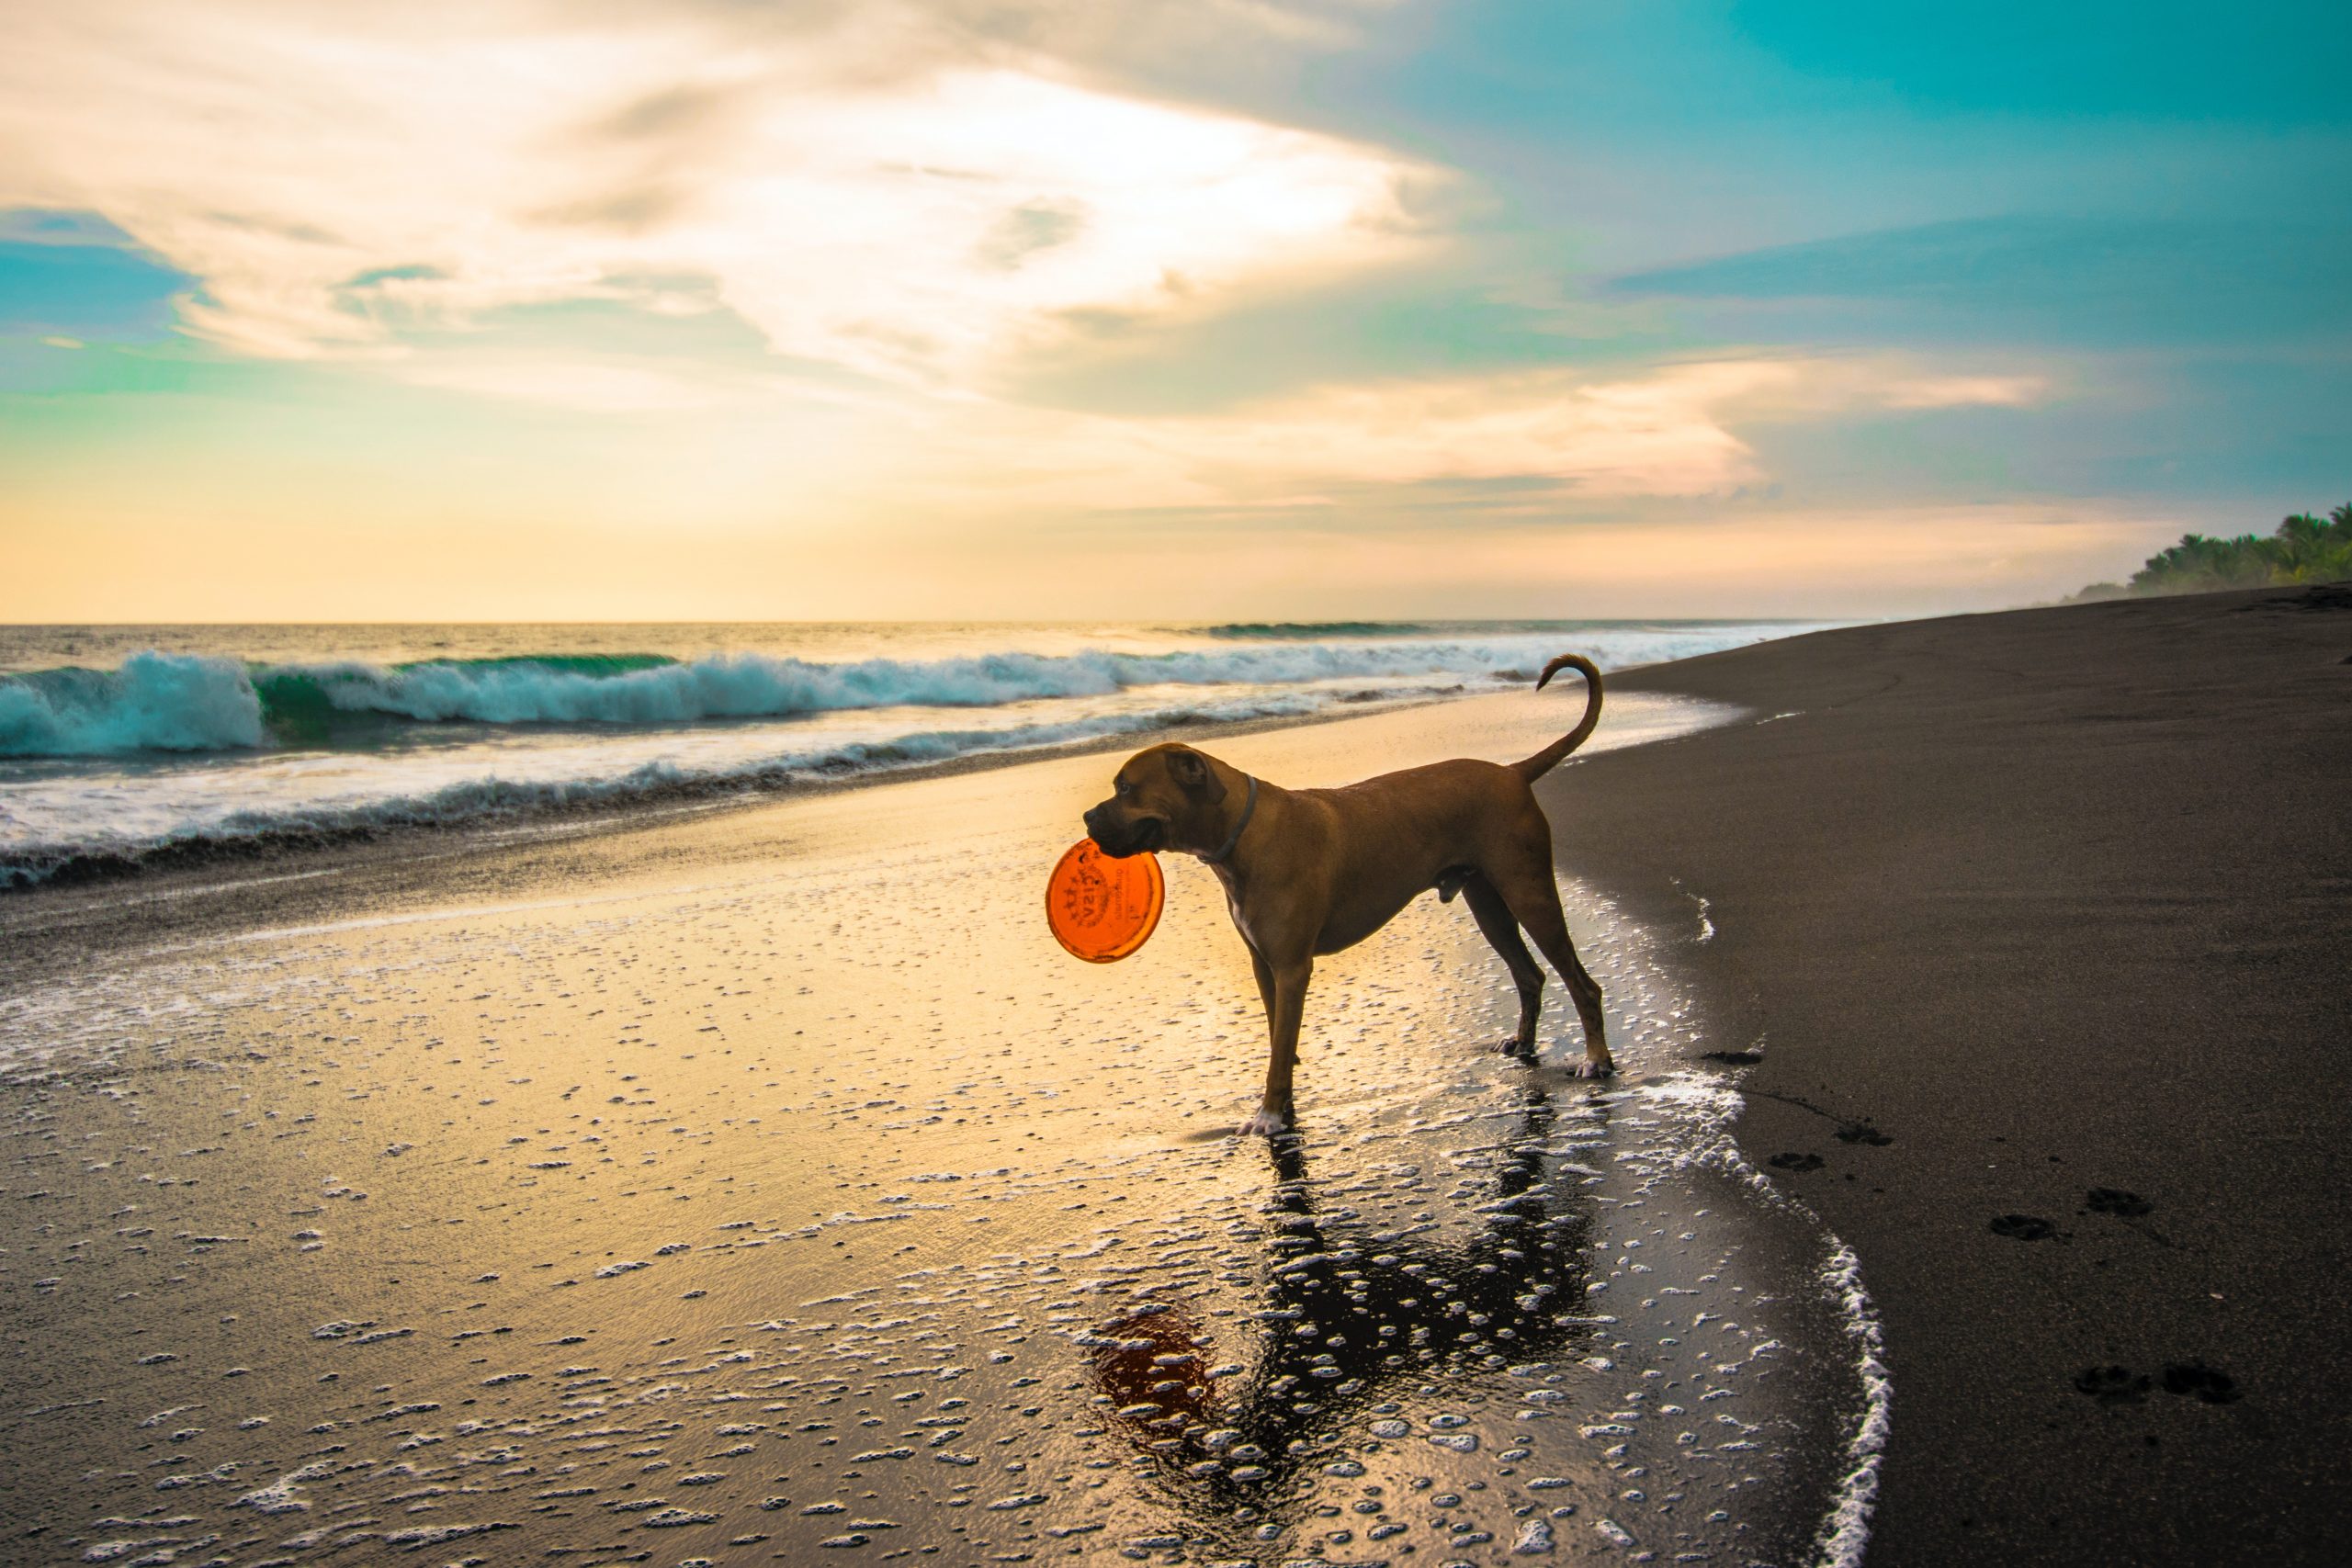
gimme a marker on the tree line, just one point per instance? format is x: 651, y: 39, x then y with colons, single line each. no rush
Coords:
x: 2302, y: 548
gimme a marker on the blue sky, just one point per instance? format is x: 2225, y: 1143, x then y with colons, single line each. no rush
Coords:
x: 73, y: 274
x: 928, y: 307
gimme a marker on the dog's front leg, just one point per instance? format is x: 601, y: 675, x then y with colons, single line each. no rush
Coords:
x: 1287, y: 985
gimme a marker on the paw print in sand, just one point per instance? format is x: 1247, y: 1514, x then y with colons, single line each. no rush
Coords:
x: 2023, y: 1228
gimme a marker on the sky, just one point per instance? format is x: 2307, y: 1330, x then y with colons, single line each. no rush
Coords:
x: 315, y: 311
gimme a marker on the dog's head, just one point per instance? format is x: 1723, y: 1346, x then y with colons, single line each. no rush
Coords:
x: 1165, y: 797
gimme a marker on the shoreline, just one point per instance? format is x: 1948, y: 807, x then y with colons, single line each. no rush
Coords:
x: 275, y: 847
x: 39, y: 921
x: 771, y: 1179
x: 225, y: 868
x: 44, y: 925
x: 2027, y: 934
x: 174, y: 759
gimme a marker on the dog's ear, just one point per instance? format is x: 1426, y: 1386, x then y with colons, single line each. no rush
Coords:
x: 1194, y: 776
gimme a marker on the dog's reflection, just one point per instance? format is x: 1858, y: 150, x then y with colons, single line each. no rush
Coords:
x: 1352, y: 1316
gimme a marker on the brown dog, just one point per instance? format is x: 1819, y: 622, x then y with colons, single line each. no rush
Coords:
x: 1313, y: 871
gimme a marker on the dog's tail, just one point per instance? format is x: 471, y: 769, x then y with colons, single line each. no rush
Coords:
x: 1543, y: 762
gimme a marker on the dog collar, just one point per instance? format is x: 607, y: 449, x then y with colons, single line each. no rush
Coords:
x: 1248, y: 807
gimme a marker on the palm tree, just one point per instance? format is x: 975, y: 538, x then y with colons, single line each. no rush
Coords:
x: 2302, y: 548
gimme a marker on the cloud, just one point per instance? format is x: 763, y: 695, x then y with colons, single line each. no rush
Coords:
x: 1963, y: 392
x: 1670, y: 431
x: 590, y: 386
x: 2046, y: 279
x: 912, y: 190
x: 1382, y: 455
x: 1707, y: 560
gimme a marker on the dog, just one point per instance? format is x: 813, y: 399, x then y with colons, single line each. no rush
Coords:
x: 1314, y: 871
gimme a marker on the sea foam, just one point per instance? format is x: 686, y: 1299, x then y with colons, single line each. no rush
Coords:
x: 174, y: 753
x: 191, y: 703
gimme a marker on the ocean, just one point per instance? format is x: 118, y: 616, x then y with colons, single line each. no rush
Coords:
x: 120, y: 745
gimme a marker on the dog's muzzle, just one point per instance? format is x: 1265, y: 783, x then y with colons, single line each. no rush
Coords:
x: 1120, y: 838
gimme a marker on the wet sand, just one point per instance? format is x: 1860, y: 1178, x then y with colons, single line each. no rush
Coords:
x: 751, y: 1184
x: 2038, y: 923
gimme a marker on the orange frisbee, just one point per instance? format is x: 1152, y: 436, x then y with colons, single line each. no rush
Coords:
x: 1103, y: 909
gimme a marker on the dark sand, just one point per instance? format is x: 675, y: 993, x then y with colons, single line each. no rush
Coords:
x: 2042, y: 923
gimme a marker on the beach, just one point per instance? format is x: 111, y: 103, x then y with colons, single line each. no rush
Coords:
x: 735, y: 1182
x: 743, y: 1183
x: 2037, y: 922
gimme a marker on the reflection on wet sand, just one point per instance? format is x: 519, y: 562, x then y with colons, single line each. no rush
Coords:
x: 1353, y: 1315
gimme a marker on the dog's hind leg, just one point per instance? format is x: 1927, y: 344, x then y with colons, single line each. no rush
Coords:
x: 1494, y: 918
x: 1289, y: 1001
x: 1534, y: 899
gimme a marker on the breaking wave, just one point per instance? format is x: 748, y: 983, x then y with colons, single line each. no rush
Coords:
x: 174, y: 756
x: 160, y: 702
x: 194, y: 823
x: 155, y: 702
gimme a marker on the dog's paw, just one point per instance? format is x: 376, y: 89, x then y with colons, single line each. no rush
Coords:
x: 1512, y: 1045
x: 1603, y: 1069
x: 1265, y: 1124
